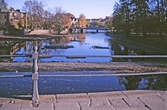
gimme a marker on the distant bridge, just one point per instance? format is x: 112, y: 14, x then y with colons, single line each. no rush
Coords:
x: 83, y: 29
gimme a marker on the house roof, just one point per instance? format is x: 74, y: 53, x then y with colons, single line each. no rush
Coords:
x: 4, y: 7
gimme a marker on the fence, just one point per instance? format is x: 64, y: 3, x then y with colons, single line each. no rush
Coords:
x: 35, y: 75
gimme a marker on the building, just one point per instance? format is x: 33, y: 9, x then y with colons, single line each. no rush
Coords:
x: 106, y: 19
x: 4, y: 15
x: 9, y: 16
x: 15, y: 16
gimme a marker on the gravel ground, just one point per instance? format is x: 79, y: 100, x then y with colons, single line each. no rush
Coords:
x: 118, y: 67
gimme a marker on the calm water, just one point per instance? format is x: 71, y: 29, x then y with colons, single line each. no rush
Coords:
x: 83, y: 45
x: 23, y: 86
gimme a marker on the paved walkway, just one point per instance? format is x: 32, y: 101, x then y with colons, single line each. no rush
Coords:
x: 120, y: 100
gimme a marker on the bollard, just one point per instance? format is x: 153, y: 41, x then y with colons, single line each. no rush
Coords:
x: 35, y: 95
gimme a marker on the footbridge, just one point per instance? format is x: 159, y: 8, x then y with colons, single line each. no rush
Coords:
x: 83, y: 29
x: 35, y: 75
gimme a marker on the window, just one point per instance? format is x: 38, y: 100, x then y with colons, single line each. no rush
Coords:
x: 4, y: 16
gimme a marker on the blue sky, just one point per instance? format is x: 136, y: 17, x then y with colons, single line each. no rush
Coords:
x: 90, y: 8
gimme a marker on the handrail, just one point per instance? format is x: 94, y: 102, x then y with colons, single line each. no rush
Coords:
x: 84, y: 56
x: 14, y: 76
x: 102, y: 56
x: 26, y: 55
x: 88, y: 75
x: 107, y: 75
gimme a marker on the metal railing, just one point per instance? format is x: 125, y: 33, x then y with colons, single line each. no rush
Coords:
x: 89, y: 56
x: 35, y: 76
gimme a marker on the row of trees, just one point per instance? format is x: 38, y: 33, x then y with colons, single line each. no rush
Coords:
x: 140, y: 16
x: 38, y: 17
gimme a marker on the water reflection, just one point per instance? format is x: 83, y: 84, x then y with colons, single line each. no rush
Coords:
x: 82, y: 84
x: 83, y: 45
x: 119, y: 49
x: 144, y: 82
x: 131, y: 82
x: 9, y: 48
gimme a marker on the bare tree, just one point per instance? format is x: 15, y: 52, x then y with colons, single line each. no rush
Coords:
x: 47, y: 19
x: 35, y: 12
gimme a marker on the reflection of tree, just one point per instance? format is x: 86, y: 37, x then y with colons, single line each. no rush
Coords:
x: 130, y: 82
x: 65, y: 40
x: 10, y: 48
x: 118, y: 49
x: 82, y: 38
x: 148, y: 82
x: 77, y: 38
x: 156, y: 82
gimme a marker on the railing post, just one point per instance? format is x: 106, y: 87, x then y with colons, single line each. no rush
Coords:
x: 35, y: 95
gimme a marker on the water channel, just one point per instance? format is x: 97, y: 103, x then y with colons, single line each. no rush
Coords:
x: 81, y: 44
x: 55, y: 85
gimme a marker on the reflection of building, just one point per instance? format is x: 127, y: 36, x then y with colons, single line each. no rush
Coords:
x: 9, y: 49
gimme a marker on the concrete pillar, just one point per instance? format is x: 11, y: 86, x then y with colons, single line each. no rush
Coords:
x: 83, y: 30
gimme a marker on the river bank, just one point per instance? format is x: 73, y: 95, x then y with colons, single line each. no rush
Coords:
x: 118, y: 67
x: 150, y: 45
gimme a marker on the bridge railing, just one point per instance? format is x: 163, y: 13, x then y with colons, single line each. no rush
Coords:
x: 89, y: 56
x: 35, y: 76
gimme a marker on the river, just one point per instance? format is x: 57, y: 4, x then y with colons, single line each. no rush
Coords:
x: 55, y: 85
x: 83, y: 44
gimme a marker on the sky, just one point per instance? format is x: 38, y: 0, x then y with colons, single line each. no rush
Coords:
x: 90, y: 8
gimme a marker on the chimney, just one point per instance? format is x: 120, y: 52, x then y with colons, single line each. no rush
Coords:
x: 18, y: 10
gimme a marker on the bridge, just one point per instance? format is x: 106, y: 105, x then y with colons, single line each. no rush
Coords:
x: 83, y: 29
x: 35, y: 76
